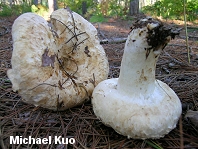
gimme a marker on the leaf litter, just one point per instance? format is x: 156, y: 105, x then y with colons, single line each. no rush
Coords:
x: 21, y: 119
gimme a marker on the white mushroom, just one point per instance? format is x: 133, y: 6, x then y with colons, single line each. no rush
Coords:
x: 136, y: 104
x: 56, y: 65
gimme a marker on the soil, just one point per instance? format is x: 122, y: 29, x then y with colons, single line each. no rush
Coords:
x: 173, y: 68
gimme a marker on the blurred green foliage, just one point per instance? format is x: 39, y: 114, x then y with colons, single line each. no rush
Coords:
x: 76, y: 5
x: 39, y: 9
x: 173, y: 9
x: 96, y: 12
x: 97, y: 18
x: 115, y: 9
x: 7, y: 10
x: 94, y: 9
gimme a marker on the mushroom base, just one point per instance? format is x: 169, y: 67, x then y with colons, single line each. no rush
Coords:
x: 138, y: 116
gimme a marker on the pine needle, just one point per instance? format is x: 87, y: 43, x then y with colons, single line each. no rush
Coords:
x: 186, y: 31
x: 153, y: 144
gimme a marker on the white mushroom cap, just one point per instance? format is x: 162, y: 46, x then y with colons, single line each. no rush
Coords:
x: 136, y: 104
x: 56, y: 67
x: 135, y: 116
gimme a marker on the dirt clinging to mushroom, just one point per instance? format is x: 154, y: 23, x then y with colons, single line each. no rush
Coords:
x: 157, y: 36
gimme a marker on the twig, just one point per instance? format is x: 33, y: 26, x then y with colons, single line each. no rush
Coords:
x: 73, y: 37
x: 179, y: 45
x: 189, y: 36
x: 113, y: 41
x: 100, y: 32
x: 192, y: 27
x: 69, y: 10
x: 64, y: 25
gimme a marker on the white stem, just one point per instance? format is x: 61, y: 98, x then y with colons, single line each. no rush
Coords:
x: 137, y: 72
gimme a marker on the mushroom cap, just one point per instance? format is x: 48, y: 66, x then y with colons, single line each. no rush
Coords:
x: 134, y: 116
x: 56, y: 65
x: 136, y: 104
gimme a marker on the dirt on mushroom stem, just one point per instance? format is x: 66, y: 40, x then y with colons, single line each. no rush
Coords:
x: 137, y: 87
x: 159, y: 35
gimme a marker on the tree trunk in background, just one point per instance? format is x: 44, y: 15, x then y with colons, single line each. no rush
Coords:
x: 35, y: 2
x: 51, y: 6
x: 10, y: 1
x: 55, y: 5
x: 134, y: 7
x: 84, y: 7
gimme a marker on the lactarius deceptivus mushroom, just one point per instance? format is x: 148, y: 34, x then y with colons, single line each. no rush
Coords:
x: 56, y: 65
x: 137, y: 105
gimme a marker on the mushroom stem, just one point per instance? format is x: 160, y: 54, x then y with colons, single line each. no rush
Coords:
x: 136, y: 104
x: 137, y: 72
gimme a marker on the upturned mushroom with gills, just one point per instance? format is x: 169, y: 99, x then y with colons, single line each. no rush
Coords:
x: 136, y: 104
x: 56, y: 65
